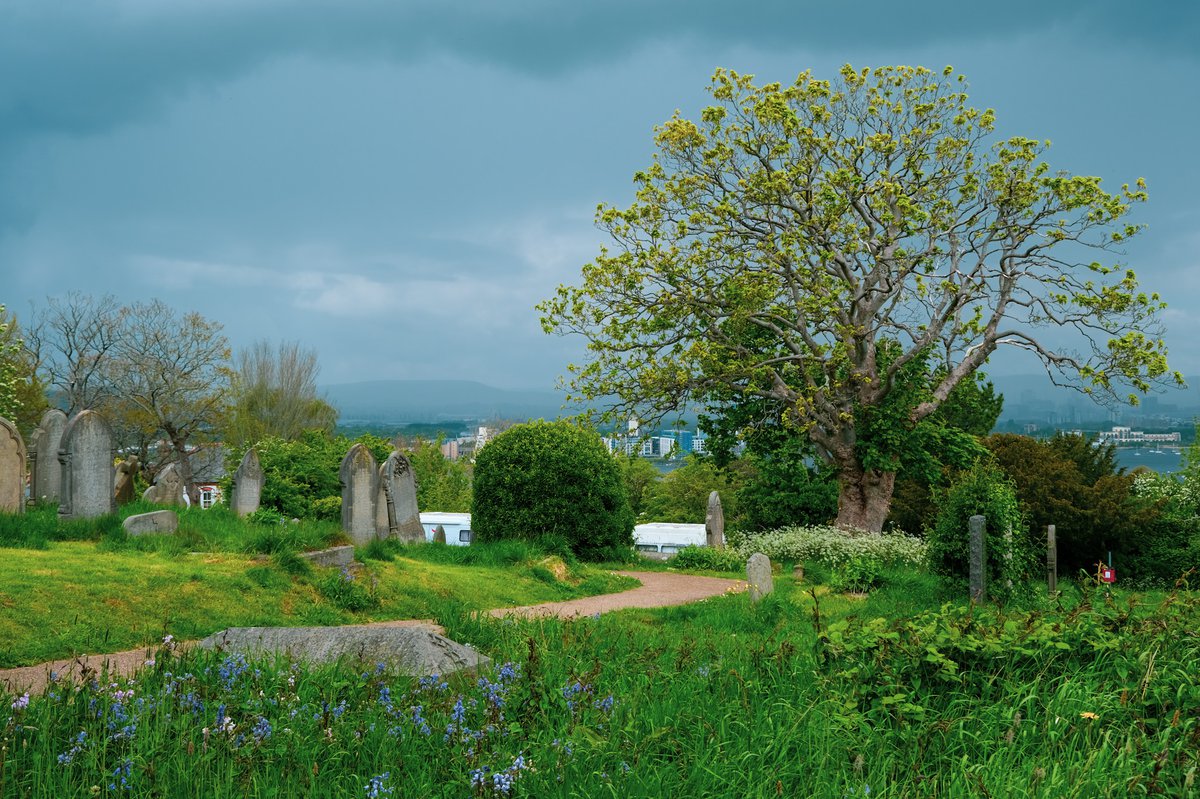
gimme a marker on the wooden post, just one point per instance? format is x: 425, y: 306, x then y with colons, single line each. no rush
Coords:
x: 1008, y: 555
x: 1051, y: 559
x: 978, y: 561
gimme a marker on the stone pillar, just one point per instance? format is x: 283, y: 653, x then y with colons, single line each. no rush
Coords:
x: 1051, y: 559
x: 12, y: 468
x: 87, y: 456
x: 758, y: 576
x: 978, y: 562
x: 247, y: 484
x: 360, y: 486
x: 714, y: 522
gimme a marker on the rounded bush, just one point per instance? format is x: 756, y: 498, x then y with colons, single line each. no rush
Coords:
x: 552, y: 481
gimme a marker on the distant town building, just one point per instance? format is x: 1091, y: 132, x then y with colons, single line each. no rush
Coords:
x: 1124, y: 435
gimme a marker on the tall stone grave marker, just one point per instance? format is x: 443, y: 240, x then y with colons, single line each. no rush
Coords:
x: 978, y: 562
x: 758, y: 576
x: 247, y: 484
x: 12, y: 468
x: 126, y: 476
x: 714, y: 522
x: 396, y: 513
x: 360, y: 489
x: 167, y: 488
x: 86, y: 456
x: 45, y: 470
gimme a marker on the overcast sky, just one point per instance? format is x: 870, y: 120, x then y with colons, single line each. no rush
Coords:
x: 395, y: 184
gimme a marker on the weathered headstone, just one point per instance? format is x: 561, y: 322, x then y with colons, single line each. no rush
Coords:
x: 714, y: 522
x: 126, y: 475
x: 156, y: 521
x: 86, y: 456
x: 45, y: 471
x: 360, y: 488
x: 439, y: 534
x: 978, y: 562
x: 758, y: 576
x: 334, y: 556
x: 1051, y: 559
x: 247, y: 484
x: 12, y: 468
x: 167, y: 488
x: 396, y: 511
x: 416, y: 651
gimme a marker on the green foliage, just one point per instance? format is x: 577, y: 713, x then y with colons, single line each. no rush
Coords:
x: 301, y: 476
x: 640, y: 478
x: 810, y: 245
x: 347, y: 591
x: 708, y: 559
x: 41, y: 524
x: 832, y: 547
x: 552, y: 480
x: 983, y: 490
x: 784, y: 491
x: 442, y: 484
x: 681, y: 496
x: 859, y: 574
x: 273, y: 394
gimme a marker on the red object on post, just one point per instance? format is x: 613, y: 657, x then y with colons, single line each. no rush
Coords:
x: 1108, y: 574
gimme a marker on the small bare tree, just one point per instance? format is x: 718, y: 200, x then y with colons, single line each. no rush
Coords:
x: 274, y: 393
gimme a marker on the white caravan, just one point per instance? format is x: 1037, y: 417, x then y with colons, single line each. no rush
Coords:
x: 456, y: 525
x: 665, y: 539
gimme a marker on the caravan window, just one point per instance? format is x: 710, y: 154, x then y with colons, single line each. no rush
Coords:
x: 465, y: 535
x: 647, y: 547
x: 671, y: 549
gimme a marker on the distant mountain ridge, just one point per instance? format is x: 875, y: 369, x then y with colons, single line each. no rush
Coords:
x: 438, y: 400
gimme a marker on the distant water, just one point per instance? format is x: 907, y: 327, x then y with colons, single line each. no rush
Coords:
x: 1163, y: 460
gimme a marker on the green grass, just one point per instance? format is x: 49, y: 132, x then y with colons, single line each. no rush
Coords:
x: 80, y: 597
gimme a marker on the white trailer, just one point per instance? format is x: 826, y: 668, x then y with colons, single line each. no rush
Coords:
x: 665, y: 539
x: 456, y: 525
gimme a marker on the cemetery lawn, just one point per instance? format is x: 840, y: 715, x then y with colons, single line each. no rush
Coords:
x: 82, y: 597
x: 909, y: 692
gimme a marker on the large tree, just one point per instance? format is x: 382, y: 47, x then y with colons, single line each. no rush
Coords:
x: 274, y: 393
x: 806, y: 244
x: 73, y: 339
x: 174, y: 369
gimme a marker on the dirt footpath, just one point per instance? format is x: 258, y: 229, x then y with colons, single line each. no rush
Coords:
x: 658, y: 589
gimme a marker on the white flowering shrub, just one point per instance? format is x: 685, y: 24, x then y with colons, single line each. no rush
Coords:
x: 1154, y: 486
x: 834, y: 547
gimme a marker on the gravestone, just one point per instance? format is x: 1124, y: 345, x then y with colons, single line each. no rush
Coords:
x: 439, y: 534
x: 758, y: 576
x: 45, y: 482
x: 360, y: 488
x: 334, y: 556
x: 86, y: 456
x: 416, y: 651
x: 126, y: 474
x: 396, y: 511
x: 247, y: 484
x: 977, y: 587
x: 714, y: 522
x: 156, y: 521
x: 12, y: 468
x: 167, y: 488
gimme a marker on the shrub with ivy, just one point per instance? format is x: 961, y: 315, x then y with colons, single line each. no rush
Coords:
x: 554, y: 482
x: 986, y: 491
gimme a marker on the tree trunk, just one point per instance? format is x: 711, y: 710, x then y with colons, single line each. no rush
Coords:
x: 864, y: 497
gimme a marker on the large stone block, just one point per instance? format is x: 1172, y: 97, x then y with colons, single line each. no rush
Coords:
x: 417, y: 651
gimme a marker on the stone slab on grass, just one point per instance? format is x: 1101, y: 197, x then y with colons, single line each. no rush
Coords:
x: 334, y: 556
x: 154, y: 522
x: 417, y: 651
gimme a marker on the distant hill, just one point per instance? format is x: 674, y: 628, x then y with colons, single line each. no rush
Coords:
x: 434, y: 400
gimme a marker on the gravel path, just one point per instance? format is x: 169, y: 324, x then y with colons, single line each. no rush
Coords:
x: 658, y: 589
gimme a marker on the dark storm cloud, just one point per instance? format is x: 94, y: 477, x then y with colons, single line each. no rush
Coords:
x: 81, y: 67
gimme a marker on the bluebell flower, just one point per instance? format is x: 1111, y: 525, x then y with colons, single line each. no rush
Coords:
x: 376, y: 788
x: 261, y: 730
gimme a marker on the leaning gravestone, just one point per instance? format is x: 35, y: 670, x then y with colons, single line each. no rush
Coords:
x: 247, y: 484
x: 396, y: 510
x: 167, y: 488
x: 12, y: 468
x: 758, y: 576
x: 714, y: 522
x: 416, y: 651
x: 360, y: 487
x: 156, y: 521
x: 45, y: 483
x: 86, y: 456
x: 126, y: 475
